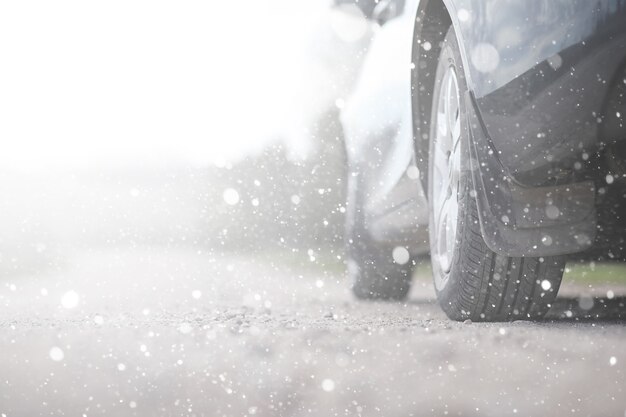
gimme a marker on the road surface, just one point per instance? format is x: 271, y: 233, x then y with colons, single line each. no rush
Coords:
x: 159, y: 331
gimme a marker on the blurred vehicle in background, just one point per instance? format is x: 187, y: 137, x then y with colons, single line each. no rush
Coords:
x: 498, y: 127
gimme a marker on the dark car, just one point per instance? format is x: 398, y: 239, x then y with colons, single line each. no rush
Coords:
x: 498, y: 126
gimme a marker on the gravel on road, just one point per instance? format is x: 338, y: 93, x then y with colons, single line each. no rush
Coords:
x: 156, y: 331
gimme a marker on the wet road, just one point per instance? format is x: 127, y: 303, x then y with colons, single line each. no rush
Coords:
x: 179, y: 332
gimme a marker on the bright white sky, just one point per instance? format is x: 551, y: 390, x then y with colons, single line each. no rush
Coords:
x: 135, y: 80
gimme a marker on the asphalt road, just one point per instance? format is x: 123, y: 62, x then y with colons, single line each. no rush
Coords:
x: 174, y: 332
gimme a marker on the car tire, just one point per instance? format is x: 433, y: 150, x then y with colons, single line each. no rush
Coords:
x: 372, y: 269
x: 471, y: 281
x: 377, y: 277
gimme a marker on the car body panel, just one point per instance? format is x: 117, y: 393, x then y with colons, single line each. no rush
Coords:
x: 526, y: 221
x: 379, y: 138
x: 539, y: 73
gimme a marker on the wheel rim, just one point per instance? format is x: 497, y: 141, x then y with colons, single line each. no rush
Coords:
x: 446, y: 173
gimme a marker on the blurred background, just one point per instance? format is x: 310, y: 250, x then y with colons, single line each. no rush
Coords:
x: 209, y: 124
x: 211, y: 127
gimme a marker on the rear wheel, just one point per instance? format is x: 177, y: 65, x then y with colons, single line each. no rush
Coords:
x: 377, y: 276
x: 378, y: 271
x: 471, y: 281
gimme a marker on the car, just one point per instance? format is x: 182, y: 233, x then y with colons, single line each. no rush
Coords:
x: 491, y: 135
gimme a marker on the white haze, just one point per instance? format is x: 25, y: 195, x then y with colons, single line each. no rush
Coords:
x: 157, y: 82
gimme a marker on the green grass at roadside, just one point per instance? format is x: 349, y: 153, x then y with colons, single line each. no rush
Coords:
x: 583, y: 273
x: 332, y: 263
x: 596, y: 272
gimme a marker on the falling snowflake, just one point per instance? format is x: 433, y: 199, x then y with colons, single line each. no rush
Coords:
x: 231, y: 196
x: 328, y: 385
x: 400, y: 255
x: 485, y: 57
x: 70, y: 299
x: 56, y: 354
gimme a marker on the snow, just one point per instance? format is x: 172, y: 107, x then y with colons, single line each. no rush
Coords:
x: 555, y: 61
x: 70, y: 300
x: 231, y: 196
x: 56, y: 354
x: 463, y: 15
x: 552, y: 212
x: 586, y: 303
x: 328, y: 385
x: 400, y: 255
x: 185, y: 328
x: 485, y: 57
